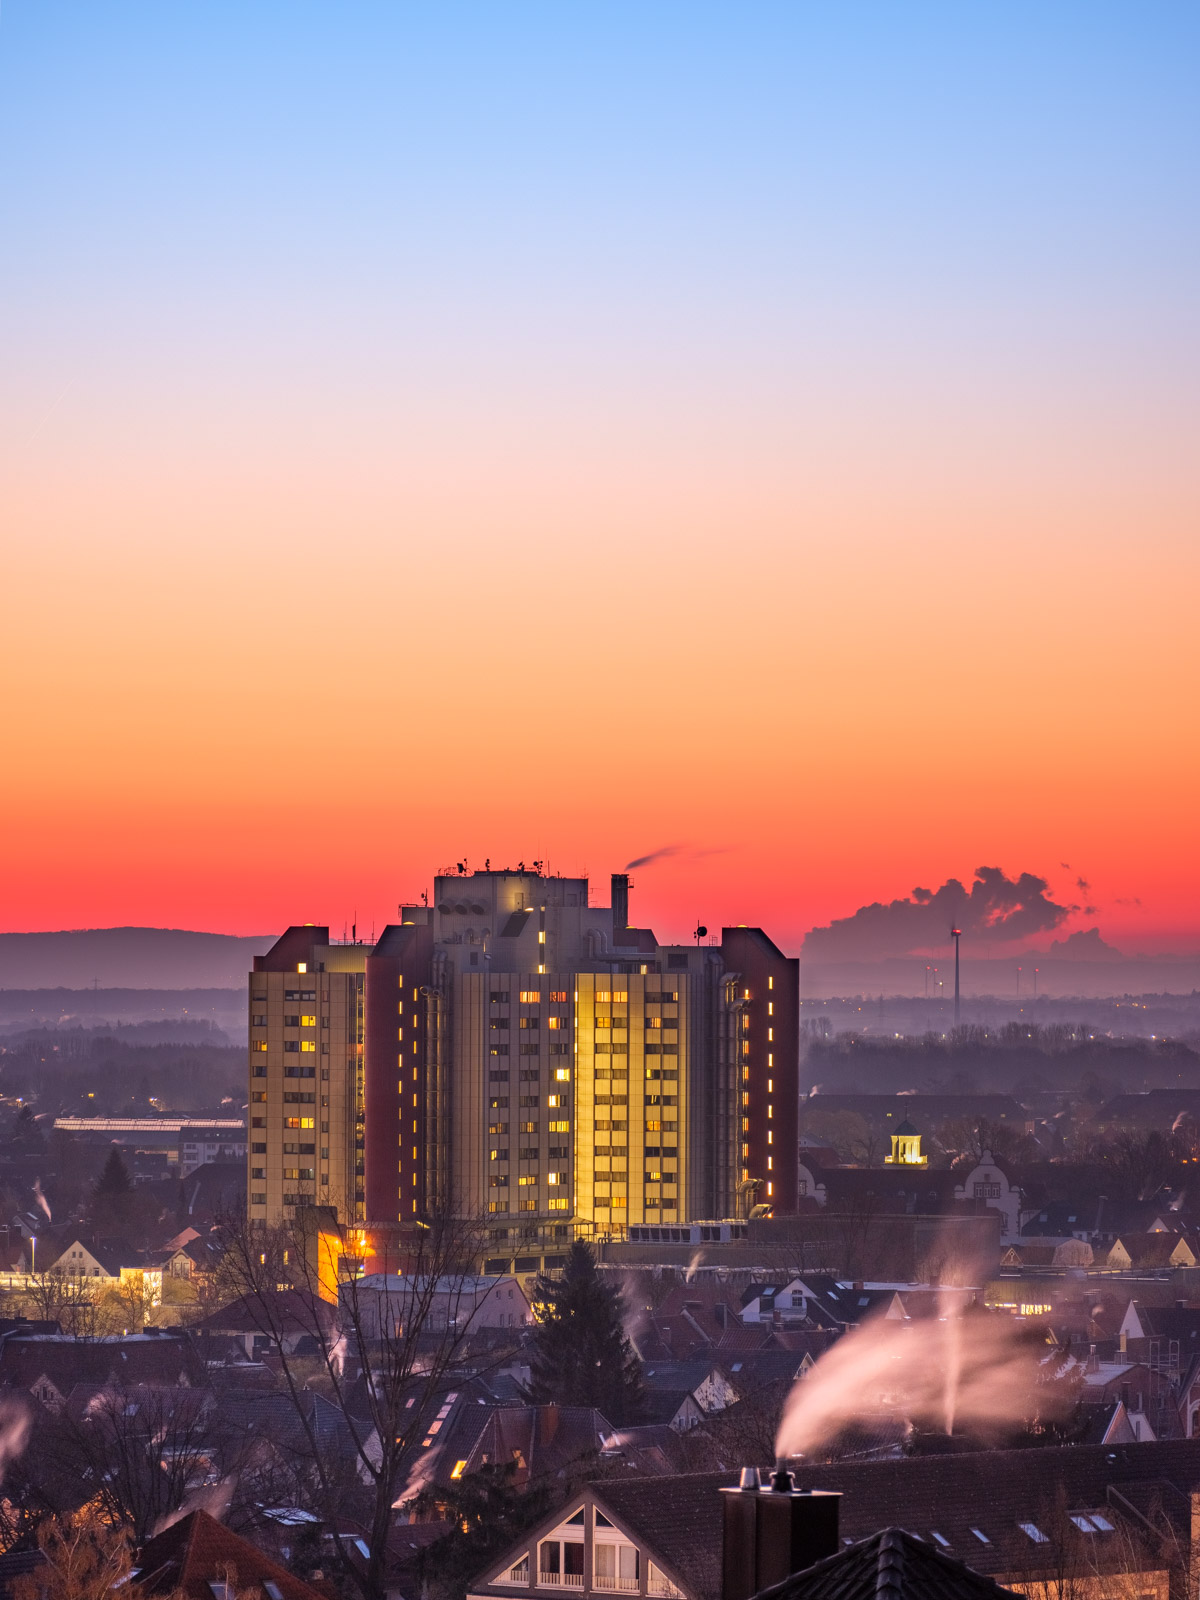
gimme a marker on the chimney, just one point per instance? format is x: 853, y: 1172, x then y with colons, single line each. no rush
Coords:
x: 773, y: 1529
x: 620, y: 903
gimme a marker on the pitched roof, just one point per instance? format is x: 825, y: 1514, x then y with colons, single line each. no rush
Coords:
x: 890, y: 1565
x: 952, y: 1495
x: 187, y: 1556
x: 140, y: 1358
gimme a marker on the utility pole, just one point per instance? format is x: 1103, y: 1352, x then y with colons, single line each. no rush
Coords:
x: 956, y: 935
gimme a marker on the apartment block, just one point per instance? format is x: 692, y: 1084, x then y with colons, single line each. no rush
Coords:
x: 306, y: 1076
x: 510, y: 1051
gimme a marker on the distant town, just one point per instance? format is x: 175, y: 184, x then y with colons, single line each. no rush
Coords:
x: 516, y: 1250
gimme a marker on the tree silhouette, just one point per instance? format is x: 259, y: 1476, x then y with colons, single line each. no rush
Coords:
x: 580, y: 1354
x: 112, y: 1194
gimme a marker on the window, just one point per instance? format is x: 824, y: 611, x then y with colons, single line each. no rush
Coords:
x: 987, y: 1191
x: 308, y: 1046
x: 558, y: 997
x: 941, y: 1538
x: 259, y: 1044
x: 560, y: 1563
x: 562, y: 1074
x: 981, y: 1536
x: 299, y: 1122
x: 559, y: 1204
x: 459, y: 1468
x: 308, y: 1021
x: 560, y: 1127
x: 1032, y: 1531
x: 531, y: 997
x: 615, y: 1566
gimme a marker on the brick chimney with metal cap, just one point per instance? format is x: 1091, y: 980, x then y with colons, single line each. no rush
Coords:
x: 772, y: 1529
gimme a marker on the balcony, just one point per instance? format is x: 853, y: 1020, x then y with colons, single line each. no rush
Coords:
x: 561, y: 1580
x: 624, y: 1586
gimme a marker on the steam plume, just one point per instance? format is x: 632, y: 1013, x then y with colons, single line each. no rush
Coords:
x: 655, y: 855
x: 996, y: 908
x: 41, y: 1198
x: 14, y: 1432
x: 979, y: 1370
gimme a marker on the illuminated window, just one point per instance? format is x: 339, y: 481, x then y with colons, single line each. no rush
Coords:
x: 308, y: 1045
x: 308, y: 1021
x: 458, y: 1469
x: 527, y: 1180
x: 619, y: 1202
x: 530, y: 997
x: 562, y: 1074
x: 558, y: 996
x: 560, y: 1127
x: 259, y: 1044
x: 770, y: 1086
x: 559, y: 1205
x: 556, y: 1099
x: 302, y: 966
x: 299, y: 1122
x: 555, y: 1022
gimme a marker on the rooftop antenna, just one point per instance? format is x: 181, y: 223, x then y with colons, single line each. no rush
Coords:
x: 956, y: 935
x: 701, y: 932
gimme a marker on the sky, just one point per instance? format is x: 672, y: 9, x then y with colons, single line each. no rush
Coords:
x: 765, y: 433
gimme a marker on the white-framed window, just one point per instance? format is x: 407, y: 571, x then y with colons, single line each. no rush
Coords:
x: 615, y: 1565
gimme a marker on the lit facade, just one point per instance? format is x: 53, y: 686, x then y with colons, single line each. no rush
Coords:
x: 306, y: 1077
x: 532, y: 1060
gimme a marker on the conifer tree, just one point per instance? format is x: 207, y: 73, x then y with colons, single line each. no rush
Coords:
x: 112, y: 1194
x: 580, y: 1354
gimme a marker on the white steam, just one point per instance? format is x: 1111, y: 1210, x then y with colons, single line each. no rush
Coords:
x: 14, y: 1432
x: 41, y: 1198
x: 977, y: 1371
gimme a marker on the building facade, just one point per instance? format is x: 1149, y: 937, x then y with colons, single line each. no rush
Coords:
x: 307, y: 1052
x: 531, y: 1059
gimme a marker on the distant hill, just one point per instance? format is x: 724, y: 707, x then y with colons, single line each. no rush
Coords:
x: 133, y: 958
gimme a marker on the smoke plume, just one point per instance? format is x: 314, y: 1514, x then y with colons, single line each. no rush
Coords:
x: 655, y: 855
x: 979, y: 1371
x: 14, y: 1431
x: 995, y: 908
x: 41, y: 1198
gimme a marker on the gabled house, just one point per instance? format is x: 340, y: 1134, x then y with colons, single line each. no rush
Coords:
x: 1113, y: 1518
x: 198, y: 1559
x: 703, y: 1379
x: 1157, y: 1249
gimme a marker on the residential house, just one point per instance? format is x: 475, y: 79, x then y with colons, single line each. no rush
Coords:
x: 48, y: 1366
x: 198, y: 1559
x: 890, y: 1563
x: 385, y: 1302
x: 1026, y: 1519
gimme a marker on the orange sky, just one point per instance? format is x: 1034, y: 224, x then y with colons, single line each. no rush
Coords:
x: 844, y: 537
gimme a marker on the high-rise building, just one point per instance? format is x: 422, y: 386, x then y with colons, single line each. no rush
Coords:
x: 306, y: 1076
x: 532, y: 1059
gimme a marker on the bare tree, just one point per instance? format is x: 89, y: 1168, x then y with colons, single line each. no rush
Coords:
x: 67, y: 1298
x: 384, y: 1354
x: 141, y: 1450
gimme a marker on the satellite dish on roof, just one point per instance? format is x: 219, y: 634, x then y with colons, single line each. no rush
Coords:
x: 701, y: 932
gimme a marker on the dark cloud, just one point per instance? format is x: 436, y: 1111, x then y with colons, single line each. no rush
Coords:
x: 996, y: 908
x: 1083, y: 885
